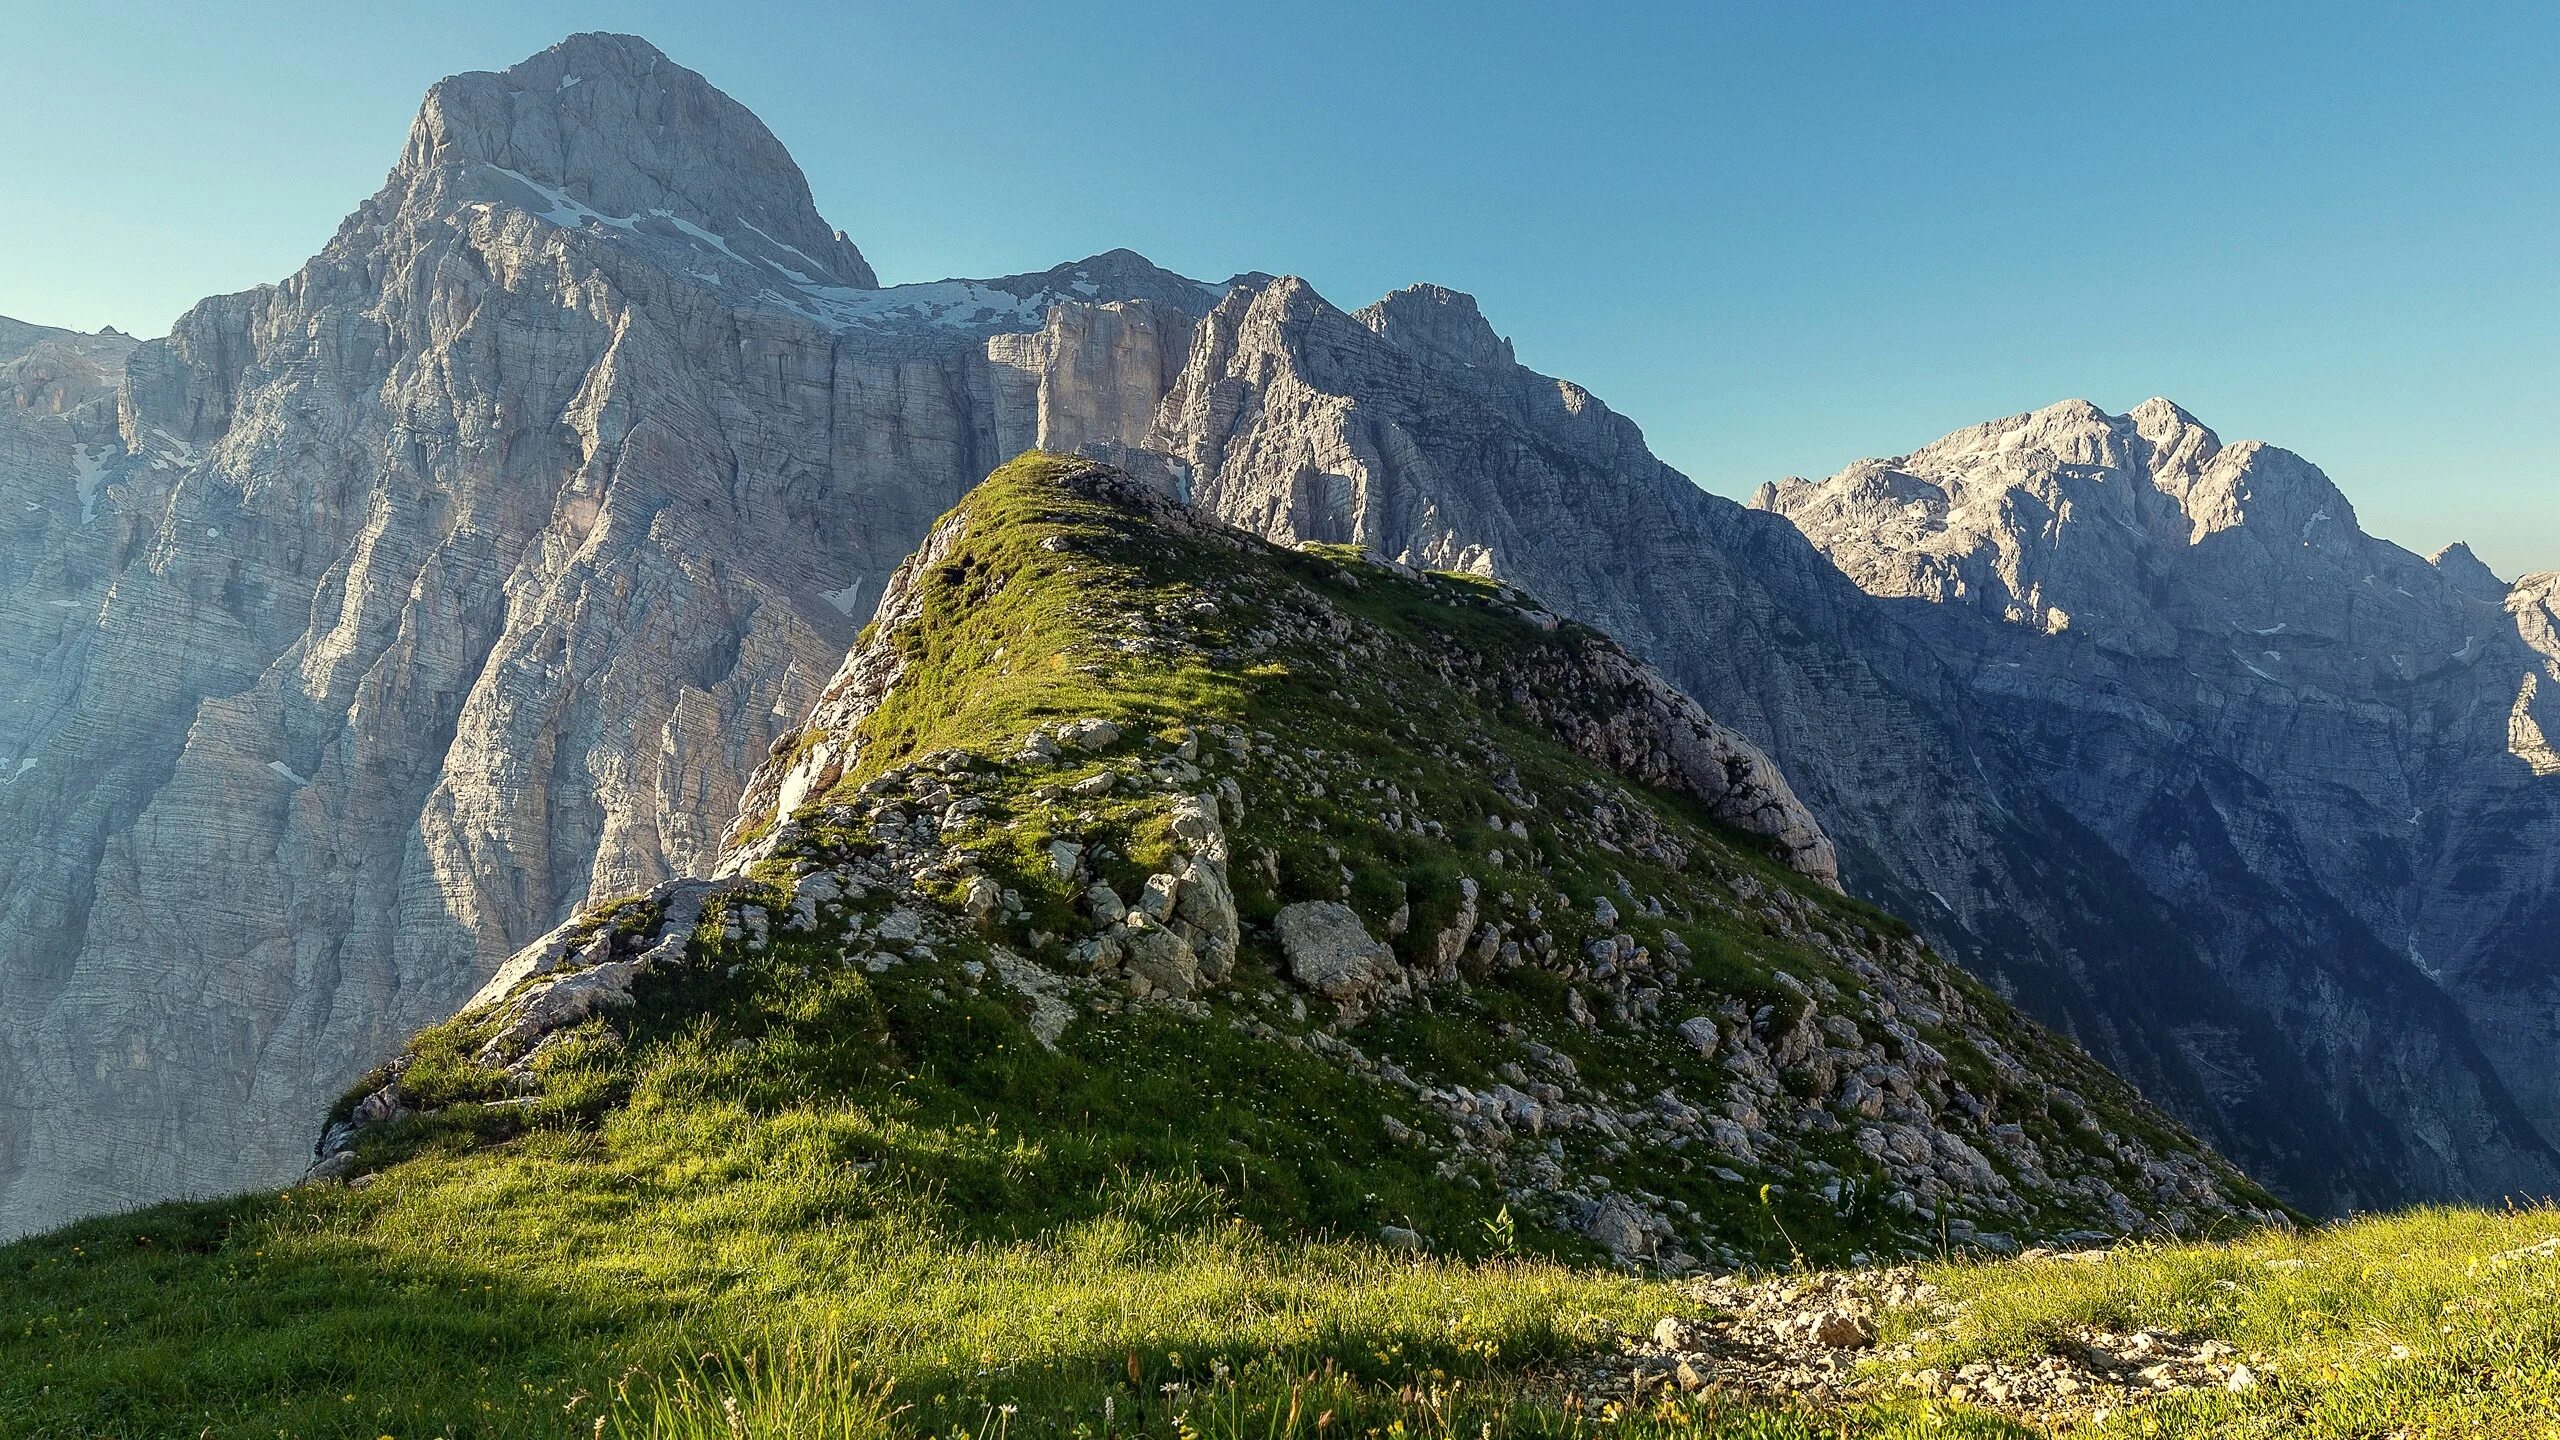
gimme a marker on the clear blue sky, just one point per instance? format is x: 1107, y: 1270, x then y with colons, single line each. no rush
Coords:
x: 1781, y: 237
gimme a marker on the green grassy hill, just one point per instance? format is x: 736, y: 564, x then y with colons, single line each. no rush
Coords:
x: 1180, y: 986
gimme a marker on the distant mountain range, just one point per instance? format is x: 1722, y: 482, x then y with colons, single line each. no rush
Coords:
x: 357, y: 631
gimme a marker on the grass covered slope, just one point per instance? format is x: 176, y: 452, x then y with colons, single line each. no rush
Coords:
x: 1174, y: 983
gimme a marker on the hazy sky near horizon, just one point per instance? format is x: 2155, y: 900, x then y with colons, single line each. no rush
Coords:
x: 1780, y: 237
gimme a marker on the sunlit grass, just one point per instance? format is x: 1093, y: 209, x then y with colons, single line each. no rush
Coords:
x: 2427, y: 1323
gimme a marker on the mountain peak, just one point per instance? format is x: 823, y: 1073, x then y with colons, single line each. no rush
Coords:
x: 606, y: 128
x: 1437, y: 325
x: 2467, y: 572
x: 2160, y: 412
x: 2180, y: 443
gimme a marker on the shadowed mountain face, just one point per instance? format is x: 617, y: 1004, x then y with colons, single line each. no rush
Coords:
x: 2331, y: 754
x: 365, y: 625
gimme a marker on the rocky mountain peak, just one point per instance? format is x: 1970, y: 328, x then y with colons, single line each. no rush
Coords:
x: 2467, y: 572
x: 1437, y: 326
x: 604, y: 131
x: 2027, y: 448
x: 45, y: 371
x: 2271, y: 489
x: 2180, y: 444
x: 1120, y: 274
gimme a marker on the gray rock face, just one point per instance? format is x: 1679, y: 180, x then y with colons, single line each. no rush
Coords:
x: 364, y: 625
x: 2326, y: 750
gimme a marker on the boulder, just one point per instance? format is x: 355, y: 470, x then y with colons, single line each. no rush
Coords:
x: 1089, y: 734
x: 554, y: 1004
x: 1159, y: 956
x: 1065, y: 856
x: 1330, y: 952
x: 1619, y: 1227
x: 1680, y: 1336
x: 1205, y: 911
x: 1700, y: 1032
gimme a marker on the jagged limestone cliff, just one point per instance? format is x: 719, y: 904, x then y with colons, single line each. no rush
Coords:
x: 370, y: 621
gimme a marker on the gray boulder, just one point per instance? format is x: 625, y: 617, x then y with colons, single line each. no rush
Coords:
x: 1330, y: 952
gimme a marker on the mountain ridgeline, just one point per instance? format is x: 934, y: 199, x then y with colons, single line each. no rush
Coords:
x: 371, y: 624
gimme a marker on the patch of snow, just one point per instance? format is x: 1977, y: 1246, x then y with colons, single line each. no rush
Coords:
x: 2316, y: 518
x: 956, y: 304
x: 64, y: 604
x: 24, y: 766
x: 805, y: 256
x: 288, y: 772
x: 566, y: 213
x: 570, y: 214
x: 2261, y: 674
x: 2470, y: 648
x: 88, y: 477
x: 846, y: 599
x: 179, y: 451
x: 965, y: 305
x: 716, y: 242
x: 2275, y: 629
x: 568, y: 80
x: 1942, y: 902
